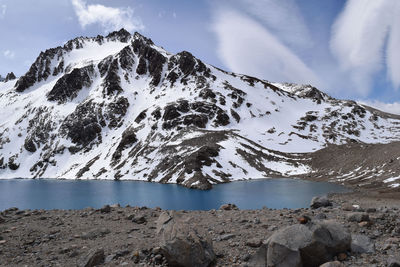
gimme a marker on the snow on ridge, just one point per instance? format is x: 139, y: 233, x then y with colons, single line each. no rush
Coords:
x: 150, y: 115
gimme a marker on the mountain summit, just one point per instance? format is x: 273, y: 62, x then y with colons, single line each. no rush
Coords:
x: 120, y: 107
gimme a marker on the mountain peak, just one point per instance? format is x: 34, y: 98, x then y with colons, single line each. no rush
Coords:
x: 122, y: 35
x: 169, y: 118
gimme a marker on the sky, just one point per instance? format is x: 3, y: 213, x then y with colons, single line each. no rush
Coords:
x: 346, y: 48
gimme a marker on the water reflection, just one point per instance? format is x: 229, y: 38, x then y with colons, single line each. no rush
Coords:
x: 67, y: 194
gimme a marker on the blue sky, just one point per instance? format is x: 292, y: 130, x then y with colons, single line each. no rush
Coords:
x: 346, y: 48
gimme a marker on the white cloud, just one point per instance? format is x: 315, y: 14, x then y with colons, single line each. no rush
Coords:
x: 109, y: 18
x: 283, y: 18
x: 247, y: 47
x: 393, y: 108
x: 8, y: 54
x: 3, y: 11
x: 358, y: 40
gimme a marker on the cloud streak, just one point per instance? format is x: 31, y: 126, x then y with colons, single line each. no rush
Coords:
x: 8, y: 54
x: 359, y: 36
x: 283, y: 18
x: 109, y: 18
x: 393, y: 108
x: 3, y: 11
x: 247, y: 47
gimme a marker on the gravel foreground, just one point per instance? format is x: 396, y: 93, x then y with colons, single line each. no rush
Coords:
x: 130, y: 236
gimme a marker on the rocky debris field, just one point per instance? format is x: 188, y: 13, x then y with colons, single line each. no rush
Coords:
x: 342, y: 230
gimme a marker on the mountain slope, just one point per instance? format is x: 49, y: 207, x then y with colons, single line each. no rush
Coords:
x: 120, y: 107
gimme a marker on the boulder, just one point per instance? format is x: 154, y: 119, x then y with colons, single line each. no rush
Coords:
x: 362, y: 244
x: 310, y: 244
x: 181, y: 243
x: 318, y: 202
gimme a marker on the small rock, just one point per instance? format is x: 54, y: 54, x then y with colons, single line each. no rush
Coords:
x: 115, y: 205
x: 110, y: 258
x: 2, y: 220
x: 158, y: 258
x: 95, y: 233
x: 93, y: 258
x: 318, y: 202
x: 156, y: 250
x: 105, y: 209
x: 358, y: 217
x: 370, y: 210
x: 122, y: 253
x: 226, y: 237
x: 2, y: 242
x: 342, y: 256
x: 347, y: 207
x: 254, y: 242
x: 364, y: 224
x: 362, y: 244
x: 303, y: 219
x: 332, y: 264
x: 387, y: 246
x: 139, y: 219
x: 320, y: 216
x: 228, y: 207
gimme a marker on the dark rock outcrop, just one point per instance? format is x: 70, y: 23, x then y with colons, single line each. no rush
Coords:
x: 69, y: 85
x: 83, y: 125
x: 109, y: 67
x: 127, y: 140
x: 40, y: 69
x: 9, y: 77
x: 150, y: 60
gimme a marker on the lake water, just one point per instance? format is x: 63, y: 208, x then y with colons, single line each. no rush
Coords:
x: 77, y: 194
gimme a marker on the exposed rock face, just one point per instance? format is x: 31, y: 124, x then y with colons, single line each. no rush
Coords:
x: 174, y: 119
x: 9, y: 77
x: 69, y: 85
x: 182, y: 244
x: 84, y: 125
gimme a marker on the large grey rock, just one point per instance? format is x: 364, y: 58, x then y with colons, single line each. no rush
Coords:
x: 309, y: 244
x: 181, y: 243
x: 318, y: 202
x: 93, y: 258
x: 362, y: 244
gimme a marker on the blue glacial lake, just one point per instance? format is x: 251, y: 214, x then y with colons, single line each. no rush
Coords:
x: 77, y: 194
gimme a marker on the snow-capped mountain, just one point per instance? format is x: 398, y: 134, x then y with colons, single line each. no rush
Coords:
x: 120, y: 107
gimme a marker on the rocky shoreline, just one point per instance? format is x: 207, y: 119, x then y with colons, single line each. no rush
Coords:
x: 366, y: 230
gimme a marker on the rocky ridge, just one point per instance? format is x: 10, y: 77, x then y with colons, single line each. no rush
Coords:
x: 120, y: 107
